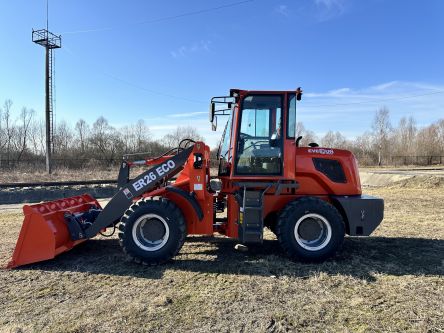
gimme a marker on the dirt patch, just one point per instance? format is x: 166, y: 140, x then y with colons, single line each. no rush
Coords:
x: 377, y: 179
x: 392, y: 281
x: 425, y: 182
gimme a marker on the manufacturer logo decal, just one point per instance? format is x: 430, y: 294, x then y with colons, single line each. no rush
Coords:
x: 321, y: 151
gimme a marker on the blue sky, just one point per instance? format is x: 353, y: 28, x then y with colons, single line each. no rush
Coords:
x: 155, y: 60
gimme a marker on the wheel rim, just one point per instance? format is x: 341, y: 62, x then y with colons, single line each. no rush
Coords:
x: 151, y: 232
x: 312, y: 232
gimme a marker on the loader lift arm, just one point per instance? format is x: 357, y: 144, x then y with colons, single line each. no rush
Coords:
x: 143, y: 183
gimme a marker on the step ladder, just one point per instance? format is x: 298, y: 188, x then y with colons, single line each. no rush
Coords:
x: 251, y: 207
x: 250, y: 198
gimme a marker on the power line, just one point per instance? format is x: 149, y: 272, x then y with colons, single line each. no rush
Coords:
x: 135, y: 85
x: 162, y: 19
x: 375, y: 102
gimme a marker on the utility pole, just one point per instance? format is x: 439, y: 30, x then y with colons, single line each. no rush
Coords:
x: 50, y: 42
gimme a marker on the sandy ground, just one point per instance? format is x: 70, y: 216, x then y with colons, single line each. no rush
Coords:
x: 392, y: 281
x: 387, y: 176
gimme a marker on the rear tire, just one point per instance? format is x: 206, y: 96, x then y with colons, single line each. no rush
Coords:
x: 310, y: 229
x: 152, y: 231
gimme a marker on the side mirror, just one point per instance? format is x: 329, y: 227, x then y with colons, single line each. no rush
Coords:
x: 299, y: 94
x: 212, y: 110
x: 214, y: 124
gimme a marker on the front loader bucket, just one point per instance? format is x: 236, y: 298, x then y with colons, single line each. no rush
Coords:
x: 44, y: 233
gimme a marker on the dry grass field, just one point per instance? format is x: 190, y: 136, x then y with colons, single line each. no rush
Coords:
x: 64, y: 174
x: 392, y: 281
x: 18, y: 176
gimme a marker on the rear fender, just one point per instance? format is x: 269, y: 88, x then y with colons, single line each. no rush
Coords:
x: 362, y: 213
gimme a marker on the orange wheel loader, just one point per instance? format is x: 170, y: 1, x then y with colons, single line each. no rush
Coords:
x: 310, y: 197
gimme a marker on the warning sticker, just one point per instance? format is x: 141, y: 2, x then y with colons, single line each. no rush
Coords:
x: 198, y: 187
x: 127, y: 193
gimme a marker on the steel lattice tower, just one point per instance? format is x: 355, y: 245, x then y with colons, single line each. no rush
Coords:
x: 50, y: 42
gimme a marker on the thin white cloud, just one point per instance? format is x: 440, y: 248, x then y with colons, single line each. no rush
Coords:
x: 161, y: 127
x: 384, y: 86
x: 186, y: 50
x: 187, y: 114
x: 281, y: 10
x: 329, y: 9
x: 390, y: 90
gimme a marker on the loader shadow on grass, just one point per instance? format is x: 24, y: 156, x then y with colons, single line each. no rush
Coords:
x: 359, y: 257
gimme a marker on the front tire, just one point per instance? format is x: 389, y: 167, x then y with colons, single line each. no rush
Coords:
x: 310, y: 229
x: 152, y: 231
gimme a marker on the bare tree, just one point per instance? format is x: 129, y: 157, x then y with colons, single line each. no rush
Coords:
x: 105, y: 139
x: 173, y: 139
x: 363, y: 148
x: 136, y: 137
x: 381, y: 131
x: 101, y: 135
x: 26, y: 116
x: 428, y: 141
x: 406, y: 136
x: 307, y: 135
x: 440, y: 125
x: 333, y: 140
x: 82, y: 129
x: 142, y: 134
x: 8, y: 127
x: 63, y: 139
x: 36, y: 137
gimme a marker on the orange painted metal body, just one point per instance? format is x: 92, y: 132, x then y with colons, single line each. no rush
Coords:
x: 44, y: 233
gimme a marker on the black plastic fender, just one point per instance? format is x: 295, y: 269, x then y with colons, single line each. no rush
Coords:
x: 190, y: 198
x: 362, y: 213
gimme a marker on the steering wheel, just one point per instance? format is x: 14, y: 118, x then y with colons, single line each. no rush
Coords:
x: 244, y: 136
x: 298, y: 140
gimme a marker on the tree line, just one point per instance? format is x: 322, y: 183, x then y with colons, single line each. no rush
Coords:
x: 388, y: 144
x: 22, y: 138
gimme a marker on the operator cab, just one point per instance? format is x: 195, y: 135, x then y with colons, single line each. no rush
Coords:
x: 253, y: 140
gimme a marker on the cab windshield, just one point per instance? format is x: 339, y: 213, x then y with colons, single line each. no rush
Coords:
x: 259, y: 149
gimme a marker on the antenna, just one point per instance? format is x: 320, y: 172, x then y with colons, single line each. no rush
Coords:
x: 50, y: 42
x: 47, y: 14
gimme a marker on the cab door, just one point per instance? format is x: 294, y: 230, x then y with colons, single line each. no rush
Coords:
x: 259, y: 149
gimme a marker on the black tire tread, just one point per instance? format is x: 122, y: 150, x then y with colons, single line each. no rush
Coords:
x: 285, y: 219
x: 165, y: 205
